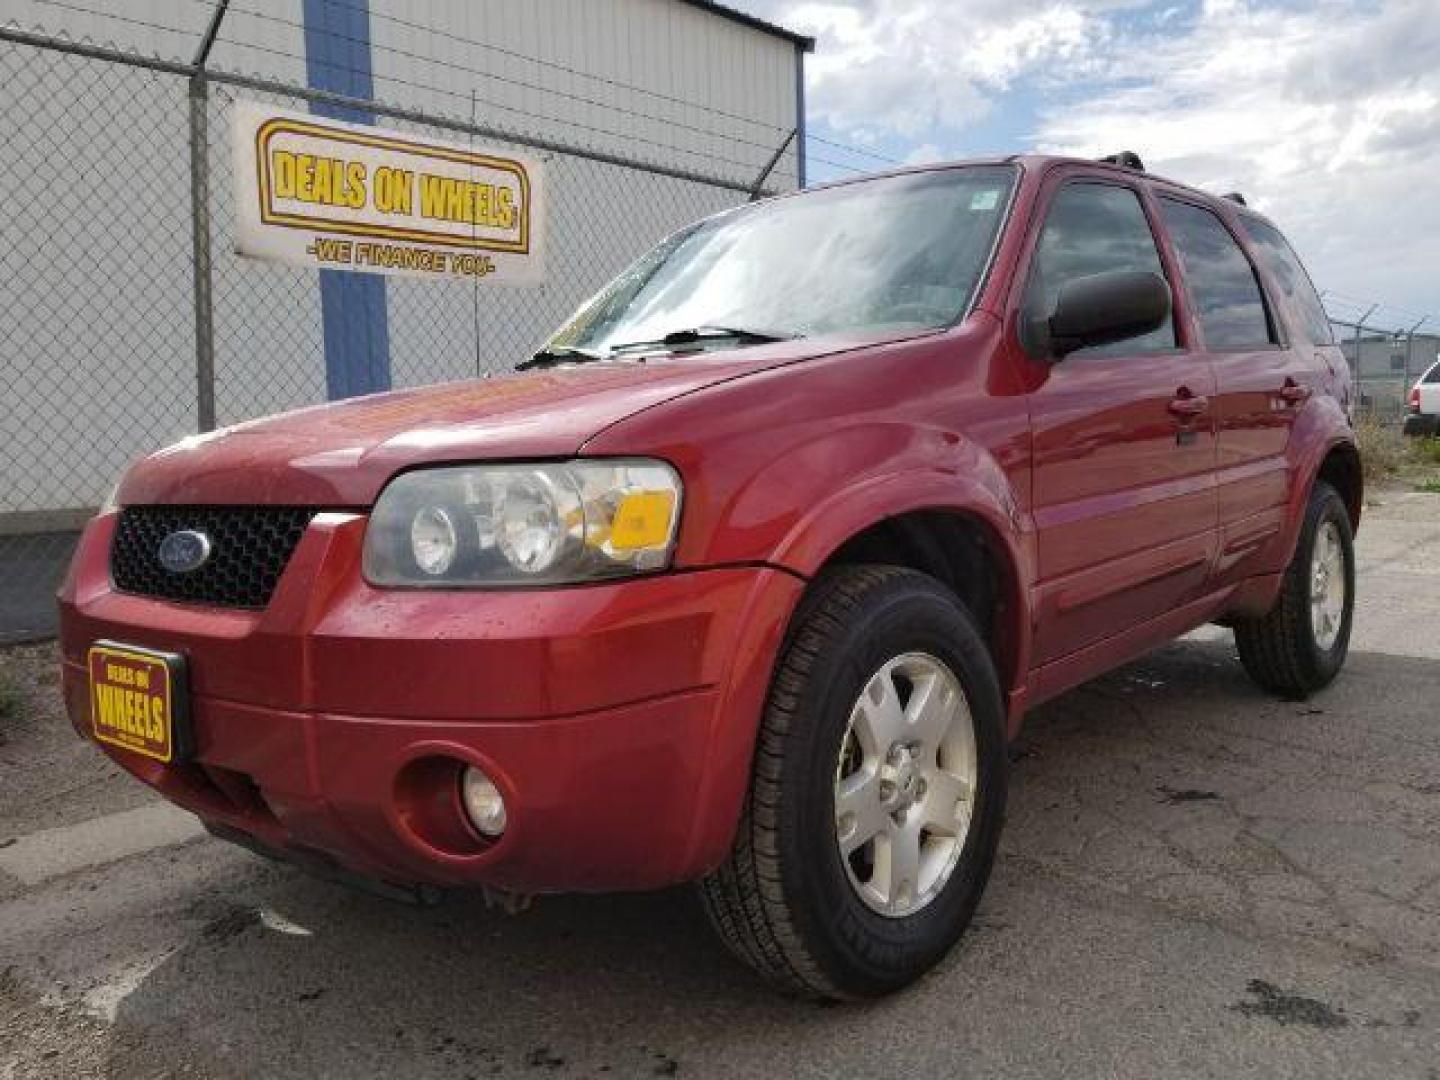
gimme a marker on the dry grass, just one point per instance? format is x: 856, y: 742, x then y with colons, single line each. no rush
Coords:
x: 1427, y: 451
x: 1390, y: 458
x: 1382, y: 448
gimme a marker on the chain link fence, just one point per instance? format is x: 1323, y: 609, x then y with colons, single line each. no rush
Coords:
x: 101, y: 358
x: 1385, y: 362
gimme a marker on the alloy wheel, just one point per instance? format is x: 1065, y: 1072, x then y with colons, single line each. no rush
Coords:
x: 905, y: 784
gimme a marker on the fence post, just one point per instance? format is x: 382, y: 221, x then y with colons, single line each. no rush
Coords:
x: 1409, y: 346
x: 200, y: 247
x: 200, y: 226
x: 1359, y: 385
x: 759, y: 184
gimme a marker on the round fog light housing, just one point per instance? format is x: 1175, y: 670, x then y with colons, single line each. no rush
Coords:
x: 484, y: 805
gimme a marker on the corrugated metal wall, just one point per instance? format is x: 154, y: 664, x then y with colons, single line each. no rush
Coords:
x: 656, y: 79
x: 662, y: 80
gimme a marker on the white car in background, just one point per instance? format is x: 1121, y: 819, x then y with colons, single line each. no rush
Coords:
x: 1423, y: 417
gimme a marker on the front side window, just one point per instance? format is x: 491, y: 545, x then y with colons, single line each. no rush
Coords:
x: 1228, y: 300
x: 893, y: 254
x: 1094, y: 229
x: 1285, y: 267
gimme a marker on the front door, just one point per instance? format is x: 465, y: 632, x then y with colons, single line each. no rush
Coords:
x: 1123, y: 438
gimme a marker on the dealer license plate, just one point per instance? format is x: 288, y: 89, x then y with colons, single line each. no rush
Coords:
x: 138, y: 699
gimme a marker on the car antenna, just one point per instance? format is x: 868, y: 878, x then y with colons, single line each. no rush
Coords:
x: 1235, y: 197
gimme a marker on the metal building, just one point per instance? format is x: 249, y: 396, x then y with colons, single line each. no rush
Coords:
x: 130, y: 319
x: 1387, y: 366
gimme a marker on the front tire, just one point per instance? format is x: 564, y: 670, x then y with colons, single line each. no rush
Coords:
x: 1300, y: 644
x: 878, y: 791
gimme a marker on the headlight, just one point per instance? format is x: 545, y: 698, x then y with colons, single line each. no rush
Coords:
x: 507, y: 525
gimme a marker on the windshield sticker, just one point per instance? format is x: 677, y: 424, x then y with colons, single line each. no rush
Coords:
x: 985, y: 200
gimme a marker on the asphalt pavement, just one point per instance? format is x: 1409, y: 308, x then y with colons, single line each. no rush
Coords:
x: 1196, y: 880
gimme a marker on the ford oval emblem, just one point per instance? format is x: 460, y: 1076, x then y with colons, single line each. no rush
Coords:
x: 185, y: 551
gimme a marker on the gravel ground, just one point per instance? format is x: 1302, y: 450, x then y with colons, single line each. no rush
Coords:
x: 1196, y: 880
x: 48, y: 777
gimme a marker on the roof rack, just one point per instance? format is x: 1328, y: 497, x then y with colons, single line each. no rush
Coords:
x: 1236, y: 197
x: 1126, y: 159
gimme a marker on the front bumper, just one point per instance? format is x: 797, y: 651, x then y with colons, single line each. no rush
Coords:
x: 617, y: 719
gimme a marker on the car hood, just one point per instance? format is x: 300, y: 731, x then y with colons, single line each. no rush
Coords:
x: 340, y: 455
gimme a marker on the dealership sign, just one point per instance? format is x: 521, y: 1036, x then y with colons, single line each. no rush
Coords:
x: 328, y: 194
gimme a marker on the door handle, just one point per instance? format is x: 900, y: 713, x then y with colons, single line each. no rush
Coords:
x: 1292, y: 393
x: 1187, y: 405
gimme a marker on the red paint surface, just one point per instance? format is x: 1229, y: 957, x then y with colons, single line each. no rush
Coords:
x: 619, y: 719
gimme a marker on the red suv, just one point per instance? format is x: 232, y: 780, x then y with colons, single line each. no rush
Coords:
x: 751, y: 576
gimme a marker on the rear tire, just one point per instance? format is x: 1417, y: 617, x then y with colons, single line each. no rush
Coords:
x: 788, y: 901
x: 1300, y: 644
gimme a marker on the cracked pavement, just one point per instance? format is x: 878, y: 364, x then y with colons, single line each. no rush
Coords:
x: 1196, y: 880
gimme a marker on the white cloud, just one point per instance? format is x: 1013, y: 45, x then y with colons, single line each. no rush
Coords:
x: 1326, y: 114
x: 1322, y: 116
x: 924, y: 154
x: 912, y: 68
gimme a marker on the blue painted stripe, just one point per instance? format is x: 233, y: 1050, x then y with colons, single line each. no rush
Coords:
x: 352, y: 306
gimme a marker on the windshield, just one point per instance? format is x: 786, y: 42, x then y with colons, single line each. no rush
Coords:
x: 892, y: 254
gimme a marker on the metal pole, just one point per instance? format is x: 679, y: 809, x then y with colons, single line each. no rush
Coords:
x: 1405, y: 382
x: 1359, y: 348
x: 1409, y: 345
x: 759, y: 185
x: 1359, y: 391
x: 800, y: 116
x: 202, y: 277
x: 200, y: 250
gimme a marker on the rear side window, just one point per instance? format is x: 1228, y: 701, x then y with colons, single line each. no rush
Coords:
x: 1094, y: 229
x: 1284, y: 266
x: 1432, y: 376
x: 1227, y: 295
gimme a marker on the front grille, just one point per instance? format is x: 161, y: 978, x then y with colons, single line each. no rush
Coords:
x: 249, y: 547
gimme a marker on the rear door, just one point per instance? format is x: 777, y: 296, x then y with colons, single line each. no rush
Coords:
x: 1262, y: 381
x: 1123, y: 439
x: 1289, y: 287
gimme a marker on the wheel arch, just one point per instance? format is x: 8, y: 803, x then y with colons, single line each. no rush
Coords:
x: 965, y: 554
x: 1343, y: 470
x: 966, y: 531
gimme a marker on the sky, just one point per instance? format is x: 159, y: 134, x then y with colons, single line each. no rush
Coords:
x: 1326, y: 115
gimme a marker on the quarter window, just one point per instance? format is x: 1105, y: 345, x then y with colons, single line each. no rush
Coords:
x: 1284, y: 266
x: 1228, y: 300
x: 1094, y: 229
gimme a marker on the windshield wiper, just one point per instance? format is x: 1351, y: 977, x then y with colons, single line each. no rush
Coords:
x: 550, y: 355
x: 709, y: 333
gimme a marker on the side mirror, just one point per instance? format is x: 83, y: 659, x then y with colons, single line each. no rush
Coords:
x: 1104, y: 308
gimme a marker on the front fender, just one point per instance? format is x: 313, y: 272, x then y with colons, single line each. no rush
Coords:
x: 971, y: 483
x: 851, y: 480
x: 794, y: 508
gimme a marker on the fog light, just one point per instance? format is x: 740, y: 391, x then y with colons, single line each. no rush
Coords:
x: 484, y: 804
